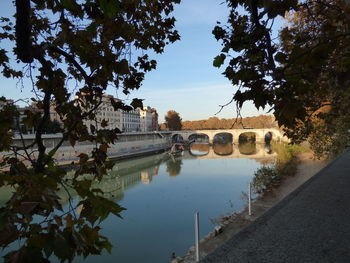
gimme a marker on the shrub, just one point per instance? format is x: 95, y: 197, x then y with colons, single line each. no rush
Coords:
x: 265, y: 178
x: 268, y: 177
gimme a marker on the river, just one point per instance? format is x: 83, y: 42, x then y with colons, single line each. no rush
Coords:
x: 162, y: 193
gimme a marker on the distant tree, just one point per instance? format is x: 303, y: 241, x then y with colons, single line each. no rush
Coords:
x: 262, y: 121
x: 173, y: 120
x: 162, y: 127
x: 213, y: 123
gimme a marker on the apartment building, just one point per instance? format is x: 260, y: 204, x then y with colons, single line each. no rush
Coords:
x: 106, y: 112
x: 136, y: 120
x: 146, y: 119
x: 131, y: 121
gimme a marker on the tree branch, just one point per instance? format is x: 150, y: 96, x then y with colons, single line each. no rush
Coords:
x: 72, y: 60
x: 23, y: 30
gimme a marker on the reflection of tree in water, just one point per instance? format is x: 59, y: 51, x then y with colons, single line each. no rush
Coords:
x: 247, y: 148
x: 155, y: 170
x: 173, y: 166
x: 223, y: 149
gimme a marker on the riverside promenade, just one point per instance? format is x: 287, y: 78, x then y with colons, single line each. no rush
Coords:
x: 312, y: 224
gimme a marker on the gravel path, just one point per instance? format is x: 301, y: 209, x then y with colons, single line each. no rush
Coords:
x: 312, y: 224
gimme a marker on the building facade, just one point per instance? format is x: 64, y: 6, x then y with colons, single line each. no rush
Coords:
x: 131, y: 120
x: 136, y: 120
x: 106, y: 112
x: 146, y: 119
x: 155, y: 125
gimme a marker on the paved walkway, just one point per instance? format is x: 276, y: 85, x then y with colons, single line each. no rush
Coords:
x: 312, y: 224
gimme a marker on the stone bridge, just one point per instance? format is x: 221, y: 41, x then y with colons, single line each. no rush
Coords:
x: 260, y: 134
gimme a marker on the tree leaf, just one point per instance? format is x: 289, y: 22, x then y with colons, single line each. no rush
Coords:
x: 137, y: 103
x: 219, y: 60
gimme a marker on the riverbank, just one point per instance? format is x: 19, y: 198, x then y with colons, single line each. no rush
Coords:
x: 119, y: 157
x: 307, y: 167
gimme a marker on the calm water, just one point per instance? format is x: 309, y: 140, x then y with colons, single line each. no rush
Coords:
x: 161, y: 194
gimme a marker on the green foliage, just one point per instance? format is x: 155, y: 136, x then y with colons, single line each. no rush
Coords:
x: 286, y: 152
x: 219, y: 60
x: 7, y: 115
x: 88, y: 46
x: 304, y: 76
x: 267, y: 178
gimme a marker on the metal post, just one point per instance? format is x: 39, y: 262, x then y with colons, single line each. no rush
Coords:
x: 196, y: 234
x: 249, y: 199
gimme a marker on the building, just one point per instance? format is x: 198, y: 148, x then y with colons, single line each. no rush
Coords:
x: 146, y: 119
x: 125, y: 121
x: 107, y: 113
x: 20, y: 124
x: 54, y: 116
x: 131, y: 120
x: 155, y: 125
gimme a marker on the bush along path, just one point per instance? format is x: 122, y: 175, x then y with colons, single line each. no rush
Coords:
x: 269, y: 177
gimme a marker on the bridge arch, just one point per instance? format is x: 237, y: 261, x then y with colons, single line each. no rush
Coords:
x: 199, y: 137
x: 223, y: 138
x: 177, y: 138
x: 247, y: 136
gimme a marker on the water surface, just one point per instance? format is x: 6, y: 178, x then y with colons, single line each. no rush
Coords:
x: 161, y: 199
x: 162, y: 193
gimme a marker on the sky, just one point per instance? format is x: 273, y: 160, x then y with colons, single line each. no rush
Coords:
x: 185, y: 79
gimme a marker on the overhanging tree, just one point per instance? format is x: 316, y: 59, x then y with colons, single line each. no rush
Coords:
x: 302, y: 75
x: 66, y: 48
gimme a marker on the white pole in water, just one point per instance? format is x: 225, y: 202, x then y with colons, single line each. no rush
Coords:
x: 250, y: 199
x: 196, y: 234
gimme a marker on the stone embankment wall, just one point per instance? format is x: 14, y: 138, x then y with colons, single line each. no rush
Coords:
x: 127, y: 145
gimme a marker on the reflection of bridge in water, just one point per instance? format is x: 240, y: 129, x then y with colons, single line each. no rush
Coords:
x: 129, y: 173
x: 247, y: 150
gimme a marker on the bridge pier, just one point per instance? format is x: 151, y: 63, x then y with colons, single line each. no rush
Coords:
x: 259, y: 139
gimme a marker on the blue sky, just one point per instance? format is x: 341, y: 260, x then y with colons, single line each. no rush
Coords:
x: 185, y: 79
